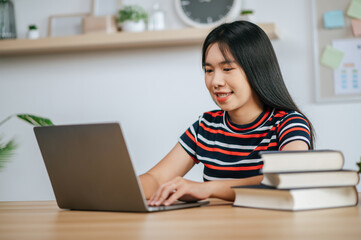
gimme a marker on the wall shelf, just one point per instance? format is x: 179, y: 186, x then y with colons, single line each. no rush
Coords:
x: 91, y: 42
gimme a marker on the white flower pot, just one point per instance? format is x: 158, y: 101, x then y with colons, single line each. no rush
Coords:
x: 248, y: 17
x: 33, y: 34
x: 131, y: 26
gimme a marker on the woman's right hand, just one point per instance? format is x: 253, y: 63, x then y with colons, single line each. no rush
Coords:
x: 179, y: 189
x: 176, y: 163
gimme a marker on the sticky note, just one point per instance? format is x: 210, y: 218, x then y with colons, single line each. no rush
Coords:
x: 331, y: 57
x: 356, y: 27
x: 355, y: 9
x: 334, y: 19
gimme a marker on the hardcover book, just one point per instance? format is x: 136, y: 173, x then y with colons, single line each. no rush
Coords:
x: 298, y: 161
x: 311, y: 179
x: 261, y: 196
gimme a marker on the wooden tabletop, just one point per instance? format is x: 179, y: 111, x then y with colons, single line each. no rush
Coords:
x: 219, y: 220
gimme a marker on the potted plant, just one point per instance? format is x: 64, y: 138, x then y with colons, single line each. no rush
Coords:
x: 33, y: 32
x: 247, y: 15
x: 7, y: 149
x: 132, y: 18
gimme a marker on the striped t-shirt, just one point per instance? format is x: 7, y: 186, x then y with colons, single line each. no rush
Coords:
x: 231, y: 151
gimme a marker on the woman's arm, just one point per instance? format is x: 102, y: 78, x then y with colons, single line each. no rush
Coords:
x: 164, y: 183
x: 175, y: 164
x: 295, y: 145
x: 186, y: 190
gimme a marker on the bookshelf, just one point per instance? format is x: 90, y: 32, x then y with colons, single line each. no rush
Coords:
x: 121, y: 40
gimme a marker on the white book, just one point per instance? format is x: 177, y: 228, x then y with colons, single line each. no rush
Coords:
x: 311, y: 179
x: 261, y: 196
x: 299, y: 161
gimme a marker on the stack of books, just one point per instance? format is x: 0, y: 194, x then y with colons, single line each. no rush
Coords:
x: 301, y: 180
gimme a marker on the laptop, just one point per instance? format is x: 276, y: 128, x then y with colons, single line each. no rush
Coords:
x: 90, y: 169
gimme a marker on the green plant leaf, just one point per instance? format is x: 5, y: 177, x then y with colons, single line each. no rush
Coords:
x: 35, y: 120
x: 6, y: 119
x: 132, y: 13
x: 246, y: 12
x: 6, y: 152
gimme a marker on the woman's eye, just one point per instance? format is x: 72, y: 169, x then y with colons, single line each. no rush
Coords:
x: 208, y: 70
x: 227, y: 69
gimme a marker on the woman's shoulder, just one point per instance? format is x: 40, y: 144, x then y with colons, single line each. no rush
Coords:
x: 292, y: 126
x: 285, y: 114
x: 285, y: 118
x: 214, y: 113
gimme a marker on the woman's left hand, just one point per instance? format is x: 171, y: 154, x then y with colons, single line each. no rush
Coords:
x: 179, y: 189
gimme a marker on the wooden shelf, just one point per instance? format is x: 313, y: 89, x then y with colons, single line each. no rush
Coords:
x: 91, y: 42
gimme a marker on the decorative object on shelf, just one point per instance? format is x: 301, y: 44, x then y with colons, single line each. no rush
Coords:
x: 7, y: 150
x: 33, y: 32
x: 66, y: 24
x: 132, y: 18
x: 156, y: 19
x: 207, y: 13
x: 247, y: 15
x: 86, y: 43
x: 7, y: 20
x: 104, y: 24
x: 105, y: 7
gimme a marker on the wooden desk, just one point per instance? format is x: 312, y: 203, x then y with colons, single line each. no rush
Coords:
x: 219, y: 220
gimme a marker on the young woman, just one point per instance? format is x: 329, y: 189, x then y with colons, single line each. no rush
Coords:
x: 256, y: 114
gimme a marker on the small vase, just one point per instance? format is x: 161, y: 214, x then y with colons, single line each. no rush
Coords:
x: 33, y: 34
x: 249, y: 18
x: 131, y: 26
x: 156, y: 20
x: 7, y: 20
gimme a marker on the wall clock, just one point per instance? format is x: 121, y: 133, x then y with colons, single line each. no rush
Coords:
x: 207, y: 13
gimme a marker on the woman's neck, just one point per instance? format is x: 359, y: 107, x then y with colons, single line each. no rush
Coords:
x: 246, y: 114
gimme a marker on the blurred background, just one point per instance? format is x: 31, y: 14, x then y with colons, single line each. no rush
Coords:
x: 155, y: 93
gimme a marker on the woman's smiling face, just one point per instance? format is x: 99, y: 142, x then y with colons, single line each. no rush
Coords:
x: 227, y: 83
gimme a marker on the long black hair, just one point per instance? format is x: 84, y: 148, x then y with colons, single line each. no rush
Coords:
x: 253, y: 51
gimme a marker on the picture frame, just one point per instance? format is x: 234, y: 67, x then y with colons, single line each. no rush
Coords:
x: 105, y: 7
x: 66, y: 24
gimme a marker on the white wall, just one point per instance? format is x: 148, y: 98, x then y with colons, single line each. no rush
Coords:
x: 154, y: 93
